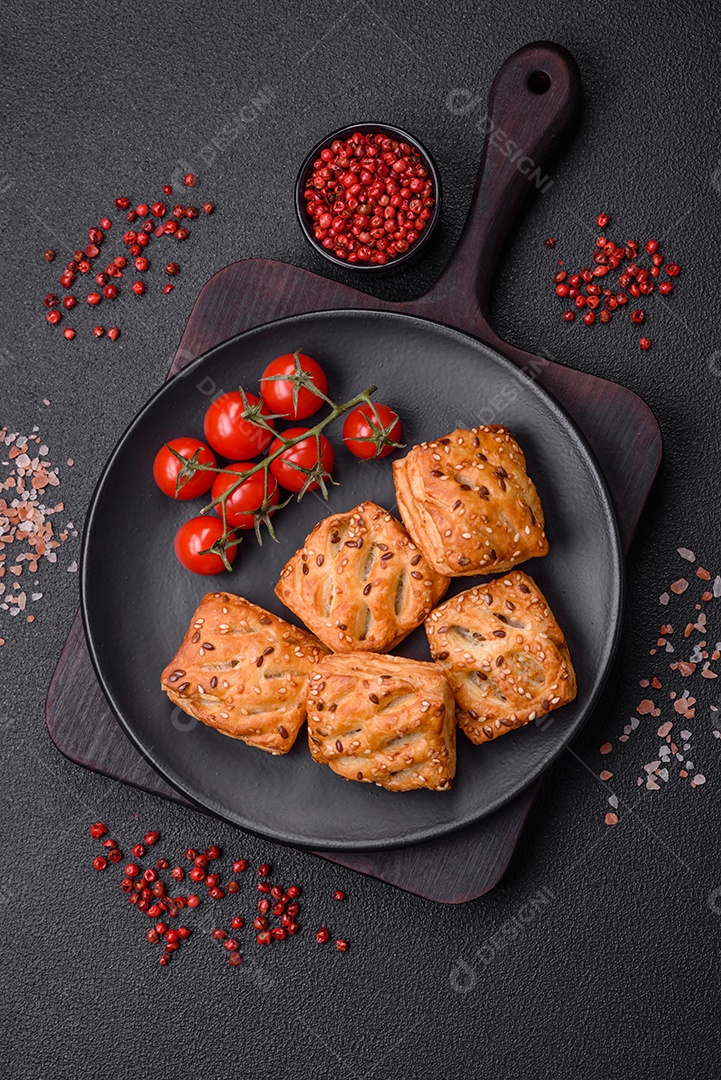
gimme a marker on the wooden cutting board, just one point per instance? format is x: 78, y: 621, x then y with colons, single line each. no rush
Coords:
x: 618, y: 425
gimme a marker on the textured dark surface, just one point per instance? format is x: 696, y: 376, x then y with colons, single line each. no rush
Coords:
x: 615, y: 973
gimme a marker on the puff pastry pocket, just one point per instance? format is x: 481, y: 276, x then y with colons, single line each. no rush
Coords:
x: 504, y: 654
x: 360, y: 583
x: 384, y: 720
x: 468, y: 502
x: 244, y: 672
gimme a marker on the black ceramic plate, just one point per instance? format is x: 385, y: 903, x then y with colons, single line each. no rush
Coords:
x: 137, y: 600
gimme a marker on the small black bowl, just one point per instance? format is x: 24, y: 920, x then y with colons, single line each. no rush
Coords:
x: 305, y: 219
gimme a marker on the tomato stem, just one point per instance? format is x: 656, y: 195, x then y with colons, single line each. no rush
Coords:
x: 263, y: 514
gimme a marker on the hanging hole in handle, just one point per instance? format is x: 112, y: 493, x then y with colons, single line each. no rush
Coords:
x: 539, y: 82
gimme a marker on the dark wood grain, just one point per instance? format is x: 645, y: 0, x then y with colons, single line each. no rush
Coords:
x: 618, y: 425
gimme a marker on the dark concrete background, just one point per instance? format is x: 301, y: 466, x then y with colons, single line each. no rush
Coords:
x: 616, y: 975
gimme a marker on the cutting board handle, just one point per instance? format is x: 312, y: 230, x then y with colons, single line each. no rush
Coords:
x: 534, y: 97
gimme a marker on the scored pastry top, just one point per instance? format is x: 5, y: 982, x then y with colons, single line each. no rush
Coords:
x: 359, y: 582
x: 504, y: 654
x: 383, y: 719
x: 243, y: 671
x: 468, y: 502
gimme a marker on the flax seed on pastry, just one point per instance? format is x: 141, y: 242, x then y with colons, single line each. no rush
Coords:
x: 359, y: 582
x: 244, y: 672
x: 468, y: 502
x: 383, y: 720
x: 504, y: 654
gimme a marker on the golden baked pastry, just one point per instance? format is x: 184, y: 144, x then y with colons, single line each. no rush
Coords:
x: 360, y: 583
x: 504, y: 654
x: 243, y: 672
x: 468, y: 502
x: 384, y: 720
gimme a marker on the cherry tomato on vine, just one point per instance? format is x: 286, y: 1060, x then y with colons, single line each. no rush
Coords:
x: 240, y: 506
x: 369, y: 431
x: 228, y: 433
x: 288, y: 467
x: 285, y: 397
x: 166, y: 468
x: 195, y: 536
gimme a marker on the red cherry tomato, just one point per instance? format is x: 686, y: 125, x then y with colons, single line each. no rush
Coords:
x: 280, y: 394
x: 370, y: 430
x: 288, y: 467
x: 195, y: 536
x: 241, y: 505
x: 166, y: 468
x: 229, y: 434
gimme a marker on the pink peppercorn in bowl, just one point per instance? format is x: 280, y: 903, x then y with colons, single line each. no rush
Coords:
x: 397, y: 178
